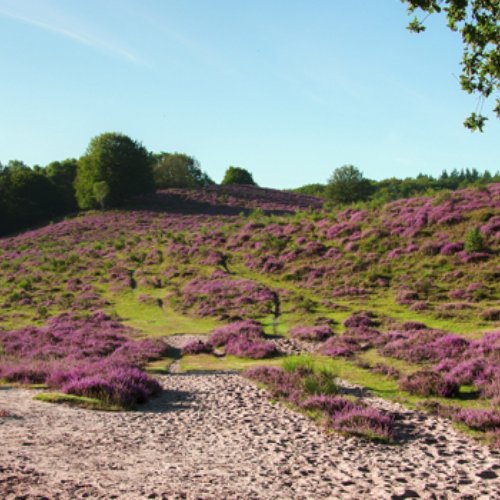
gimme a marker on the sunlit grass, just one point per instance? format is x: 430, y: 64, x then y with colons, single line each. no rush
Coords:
x: 152, y: 320
x: 159, y: 366
x: 208, y: 362
x: 77, y: 401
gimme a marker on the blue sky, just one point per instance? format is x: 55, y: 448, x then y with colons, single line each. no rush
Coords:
x: 289, y: 89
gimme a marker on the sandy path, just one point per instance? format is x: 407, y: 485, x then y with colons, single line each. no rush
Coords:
x: 217, y: 436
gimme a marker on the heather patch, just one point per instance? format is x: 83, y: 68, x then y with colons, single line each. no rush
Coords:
x: 311, y: 388
x: 92, y: 356
x: 227, y: 297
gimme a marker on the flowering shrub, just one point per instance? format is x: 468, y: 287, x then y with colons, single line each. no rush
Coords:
x: 359, y: 319
x: 82, y: 356
x: 280, y: 383
x: 451, y: 248
x: 429, y: 383
x: 249, y: 329
x: 255, y: 349
x: 364, y: 421
x: 482, y: 420
x: 211, y: 297
x: 308, y: 389
x: 311, y: 333
x: 421, y: 345
x: 328, y: 404
x: 121, y: 385
x: 383, y: 369
x: 341, y: 346
x: 197, y: 347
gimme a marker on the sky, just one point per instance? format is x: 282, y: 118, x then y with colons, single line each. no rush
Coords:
x: 288, y: 89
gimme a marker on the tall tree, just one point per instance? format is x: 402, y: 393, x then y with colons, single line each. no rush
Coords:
x: 238, y: 175
x: 123, y: 164
x: 178, y: 170
x: 347, y: 185
x: 478, y: 23
x: 63, y: 174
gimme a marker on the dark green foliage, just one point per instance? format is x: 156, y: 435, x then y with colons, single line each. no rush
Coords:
x: 393, y: 189
x: 177, y: 170
x: 477, y: 22
x: 312, y: 190
x: 238, y: 175
x: 119, y: 161
x: 474, y: 241
x: 63, y: 174
x: 347, y: 185
x: 27, y: 197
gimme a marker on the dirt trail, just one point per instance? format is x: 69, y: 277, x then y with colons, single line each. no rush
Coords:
x: 218, y: 436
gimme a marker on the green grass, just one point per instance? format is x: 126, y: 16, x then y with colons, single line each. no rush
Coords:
x: 78, y: 401
x: 208, y: 362
x: 372, y: 356
x: 388, y: 388
x: 153, y: 321
x: 382, y: 303
x: 159, y: 366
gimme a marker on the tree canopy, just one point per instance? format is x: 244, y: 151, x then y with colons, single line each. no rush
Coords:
x: 392, y: 189
x: 347, y: 185
x: 122, y: 164
x: 478, y: 23
x: 29, y: 196
x: 238, y: 175
x: 178, y: 170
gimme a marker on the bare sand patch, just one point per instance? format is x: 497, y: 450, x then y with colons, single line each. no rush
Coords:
x: 218, y: 436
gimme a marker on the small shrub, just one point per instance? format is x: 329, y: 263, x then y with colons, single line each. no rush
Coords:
x: 248, y: 328
x: 197, y: 347
x: 482, y: 420
x: 328, y: 404
x: 429, y: 383
x: 311, y: 333
x: 491, y: 314
x: 243, y: 347
x: 364, y: 421
x: 474, y: 241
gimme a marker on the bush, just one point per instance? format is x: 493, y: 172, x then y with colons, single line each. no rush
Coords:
x: 360, y: 420
x: 429, y: 383
x: 474, y: 241
x: 251, y: 330
x: 242, y: 347
x: 311, y: 333
x: 197, y: 347
x: 237, y: 175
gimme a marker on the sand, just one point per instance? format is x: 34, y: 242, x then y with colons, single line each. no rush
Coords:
x: 216, y: 435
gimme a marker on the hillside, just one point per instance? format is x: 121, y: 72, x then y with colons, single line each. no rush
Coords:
x: 402, y: 300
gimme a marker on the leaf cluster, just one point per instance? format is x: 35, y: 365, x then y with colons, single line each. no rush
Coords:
x: 478, y: 23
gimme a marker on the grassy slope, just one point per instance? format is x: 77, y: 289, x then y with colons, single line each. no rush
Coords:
x: 60, y: 260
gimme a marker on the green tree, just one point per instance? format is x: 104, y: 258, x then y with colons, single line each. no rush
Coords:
x: 27, y: 197
x: 101, y: 193
x: 478, y: 23
x: 62, y: 174
x: 238, y: 175
x: 474, y: 241
x: 347, y: 185
x: 123, y: 164
x: 177, y: 170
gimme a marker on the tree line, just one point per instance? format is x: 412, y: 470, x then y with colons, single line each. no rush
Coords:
x: 113, y: 169
x: 348, y: 185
